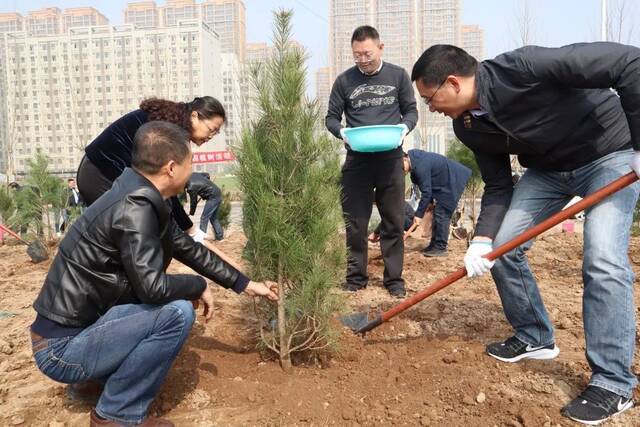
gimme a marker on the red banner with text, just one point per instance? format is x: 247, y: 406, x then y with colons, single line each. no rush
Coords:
x: 213, y: 157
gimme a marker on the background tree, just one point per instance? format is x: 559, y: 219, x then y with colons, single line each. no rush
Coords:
x: 524, y: 32
x: 224, y: 211
x: 461, y: 153
x: 7, y: 205
x: 41, y: 198
x: 290, y: 177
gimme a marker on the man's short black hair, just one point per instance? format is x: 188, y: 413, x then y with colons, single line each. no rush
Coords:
x: 440, y: 61
x: 70, y: 179
x: 363, y: 33
x: 156, y: 143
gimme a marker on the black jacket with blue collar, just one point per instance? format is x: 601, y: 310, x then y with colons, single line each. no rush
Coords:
x: 554, y: 108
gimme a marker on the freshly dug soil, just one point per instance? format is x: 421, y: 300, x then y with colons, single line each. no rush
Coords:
x: 425, y: 367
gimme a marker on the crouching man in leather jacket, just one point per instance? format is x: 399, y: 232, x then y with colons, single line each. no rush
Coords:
x: 108, y: 311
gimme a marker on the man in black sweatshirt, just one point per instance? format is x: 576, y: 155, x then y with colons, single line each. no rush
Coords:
x: 372, y: 92
x: 555, y: 109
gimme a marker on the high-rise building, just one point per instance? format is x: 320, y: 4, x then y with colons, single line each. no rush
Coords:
x: 228, y: 18
x: 407, y: 28
x: 344, y: 17
x: 44, y: 22
x: 232, y: 98
x: 82, y: 17
x: 175, y: 11
x: 257, y: 52
x: 401, y: 46
x: 4, y: 119
x: 142, y: 14
x: 323, y: 90
x: 439, y: 22
x: 58, y: 92
x: 323, y: 83
x: 473, y: 41
x: 11, y: 22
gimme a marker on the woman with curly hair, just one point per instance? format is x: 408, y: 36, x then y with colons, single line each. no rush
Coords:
x: 110, y: 152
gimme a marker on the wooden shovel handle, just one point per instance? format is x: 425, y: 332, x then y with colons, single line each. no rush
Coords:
x: 555, y: 219
x: 410, y: 230
x: 12, y: 233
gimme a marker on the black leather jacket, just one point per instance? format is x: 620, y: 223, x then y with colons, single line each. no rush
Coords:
x: 199, y: 186
x: 117, y: 253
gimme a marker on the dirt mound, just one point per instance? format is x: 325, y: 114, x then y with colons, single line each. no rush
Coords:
x: 426, y: 367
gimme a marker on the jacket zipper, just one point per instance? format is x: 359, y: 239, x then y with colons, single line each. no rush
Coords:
x: 499, y: 126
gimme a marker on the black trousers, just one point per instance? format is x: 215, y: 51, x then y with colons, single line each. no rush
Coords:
x: 91, y: 182
x: 366, y: 177
x: 440, y: 227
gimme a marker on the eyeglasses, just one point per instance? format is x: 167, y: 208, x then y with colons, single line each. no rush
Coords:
x: 211, y: 131
x: 428, y: 101
x: 363, y: 57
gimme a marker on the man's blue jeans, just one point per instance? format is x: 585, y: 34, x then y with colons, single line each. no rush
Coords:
x: 608, y: 307
x: 130, y: 348
x: 210, y: 214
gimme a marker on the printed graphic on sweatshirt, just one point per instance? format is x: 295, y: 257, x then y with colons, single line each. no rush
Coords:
x: 380, y: 99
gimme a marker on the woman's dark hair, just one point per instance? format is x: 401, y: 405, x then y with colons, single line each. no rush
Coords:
x: 363, y: 33
x: 440, y: 61
x: 156, y: 143
x: 179, y: 113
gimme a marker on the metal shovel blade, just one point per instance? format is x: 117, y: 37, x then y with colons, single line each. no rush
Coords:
x: 37, y: 252
x: 355, y: 321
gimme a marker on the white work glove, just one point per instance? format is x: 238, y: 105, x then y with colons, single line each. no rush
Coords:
x: 197, y: 235
x: 344, y: 135
x: 474, y: 260
x: 635, y: 162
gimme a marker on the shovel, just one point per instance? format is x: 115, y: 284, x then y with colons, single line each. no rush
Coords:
x: 35, y: 250
x: 404, y: 238
x: 360, y: 323
x: 410, y: 230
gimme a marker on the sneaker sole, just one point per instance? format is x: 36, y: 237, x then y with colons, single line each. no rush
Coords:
x: 542, y: 354
x: 627, y: 405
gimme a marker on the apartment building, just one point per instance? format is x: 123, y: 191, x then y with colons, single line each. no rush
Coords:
x: 58, y: 91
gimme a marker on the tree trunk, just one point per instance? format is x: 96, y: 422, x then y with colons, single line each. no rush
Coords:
x: 285, y: 359
x: 46, y: 214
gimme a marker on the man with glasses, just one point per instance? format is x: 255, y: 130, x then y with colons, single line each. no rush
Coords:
x: 372, y: 92
x: 554, y: 108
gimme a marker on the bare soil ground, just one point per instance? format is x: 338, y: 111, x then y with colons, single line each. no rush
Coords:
x: 426, y: 367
